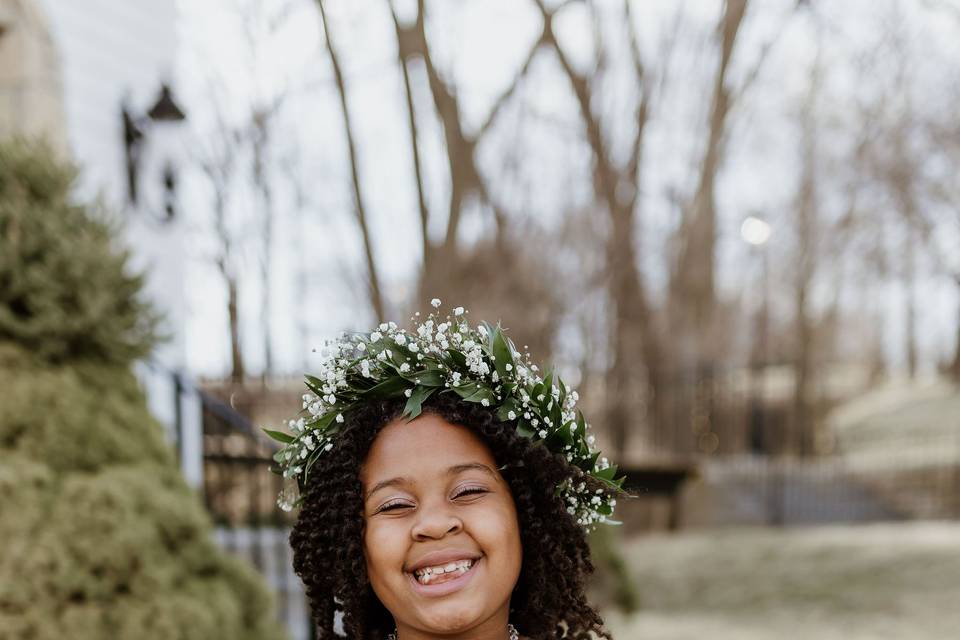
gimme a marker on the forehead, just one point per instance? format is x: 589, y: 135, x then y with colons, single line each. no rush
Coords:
x: 424, y: 447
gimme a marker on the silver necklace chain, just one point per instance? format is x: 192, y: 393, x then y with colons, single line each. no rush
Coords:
x: 512, y: 630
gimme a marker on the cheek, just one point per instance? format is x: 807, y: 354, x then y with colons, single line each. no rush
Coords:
x: 383, y: 550
x: 501, y: 534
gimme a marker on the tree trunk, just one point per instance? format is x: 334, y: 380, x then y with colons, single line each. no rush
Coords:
x: 955, y: 368
x: 237, y: 370
x: 693, y: 287
x: 404, y: 51
x: 261, y: 180
x: 374, y: 291
x: 910, y: 307
x: 634, y: 340
x: 807, y: 223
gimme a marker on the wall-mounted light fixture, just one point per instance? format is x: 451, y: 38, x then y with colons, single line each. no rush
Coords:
x: 136, y: 130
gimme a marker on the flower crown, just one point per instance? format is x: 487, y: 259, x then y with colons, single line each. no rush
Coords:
x: 480, y: 365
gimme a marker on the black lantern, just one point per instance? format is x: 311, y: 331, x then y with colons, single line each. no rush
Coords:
x: 135, y: 131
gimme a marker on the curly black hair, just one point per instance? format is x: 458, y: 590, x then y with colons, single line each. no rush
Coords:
x: 549, y: 598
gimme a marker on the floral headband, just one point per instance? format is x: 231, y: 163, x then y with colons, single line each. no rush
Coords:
x: 481, y: 365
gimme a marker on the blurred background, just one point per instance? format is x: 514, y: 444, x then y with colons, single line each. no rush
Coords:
x: 733, y: 225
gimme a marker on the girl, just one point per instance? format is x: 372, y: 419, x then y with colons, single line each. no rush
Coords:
x: 445, y: 490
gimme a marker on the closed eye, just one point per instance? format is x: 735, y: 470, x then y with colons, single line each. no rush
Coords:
x: 392, y: 506
x: 470, y: 490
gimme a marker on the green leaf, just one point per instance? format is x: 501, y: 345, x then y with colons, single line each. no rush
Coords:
x: 389, y: 388
x: 501, y: 353
x: 548, y: 386
x: 524, y: 429
x: 564, y: 433
x: 321, y: 423
x: 414, y: 403
x: 426, y: 377
x: 314, y: 384
x: 481, y: 394
x: 607, y: 474
x: 458, y: 360
x: 536, y: 392
x: 279, y: 436
x: 589, y: 463
x: 490, y: 331
x: 466, y: 389
x: 503, y: 413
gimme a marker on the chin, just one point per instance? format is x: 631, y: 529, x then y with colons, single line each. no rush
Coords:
x: 450, y: 617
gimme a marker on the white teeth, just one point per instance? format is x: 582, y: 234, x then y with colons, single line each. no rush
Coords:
x: 427, y: 574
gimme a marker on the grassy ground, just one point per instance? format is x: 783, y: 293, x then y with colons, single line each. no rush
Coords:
x: 901, y: 423
x: 860, y: 582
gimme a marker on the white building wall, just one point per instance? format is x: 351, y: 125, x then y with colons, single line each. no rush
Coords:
x: 31, y: 100
x: 111, y: 52
x: 109, y: 49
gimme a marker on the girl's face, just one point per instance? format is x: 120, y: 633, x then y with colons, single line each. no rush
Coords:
x: 433, y: 499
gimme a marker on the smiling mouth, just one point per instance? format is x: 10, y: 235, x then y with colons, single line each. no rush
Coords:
x: 443, y: 573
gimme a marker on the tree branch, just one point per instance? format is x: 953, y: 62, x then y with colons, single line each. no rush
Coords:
x: 376, y: 299
x: 403, y: 53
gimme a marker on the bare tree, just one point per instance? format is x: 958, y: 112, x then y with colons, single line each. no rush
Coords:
x: 617, y: 187
x: 259, y: 26
x: 466, y: 180
x: 807, y: 225
x: 219, y: 165
x: 375, y: 295
x: 693, y: 290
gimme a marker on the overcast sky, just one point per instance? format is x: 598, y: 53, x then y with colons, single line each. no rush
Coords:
x: 479, y: 45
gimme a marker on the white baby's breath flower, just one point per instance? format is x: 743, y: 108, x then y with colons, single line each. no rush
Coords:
x: 485, y: 402
x: 375, y: 336
x: 384, y: 326
x: 404, y: 367
x: 435, y: 303
x: 408, y: 392
x: 340, y: 417
x: 511, y: 415
x: 400, y: 339
x: 458, y: 311
x: 414, y: 347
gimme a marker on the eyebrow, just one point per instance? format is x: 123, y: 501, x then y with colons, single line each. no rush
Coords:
x: 451, y: 471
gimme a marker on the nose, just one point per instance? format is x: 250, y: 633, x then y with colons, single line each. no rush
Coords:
x: 435, y: 522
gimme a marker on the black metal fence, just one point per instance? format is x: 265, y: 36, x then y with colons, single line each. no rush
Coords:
x: 915, y: 478
x: 240, y: 493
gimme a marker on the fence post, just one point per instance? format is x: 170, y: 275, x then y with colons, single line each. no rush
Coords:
x: 775, y: 489
x: 955, y: 489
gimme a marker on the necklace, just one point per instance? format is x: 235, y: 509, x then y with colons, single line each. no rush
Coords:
x: 512, y: 630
